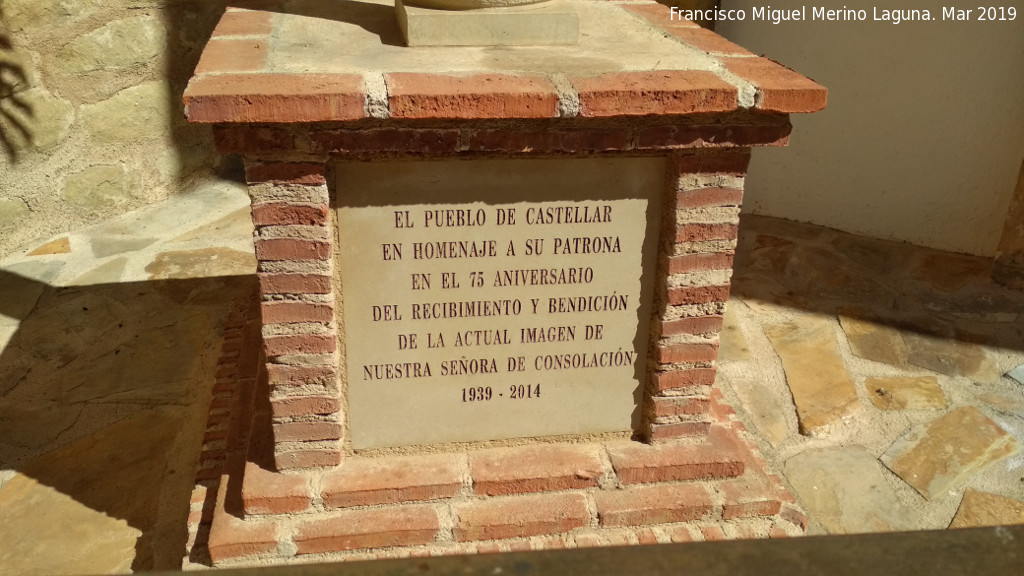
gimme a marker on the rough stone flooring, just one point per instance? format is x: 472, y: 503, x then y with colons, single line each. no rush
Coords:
x: 884, y: 381
x: 109, y: 340
x: 871, y: 373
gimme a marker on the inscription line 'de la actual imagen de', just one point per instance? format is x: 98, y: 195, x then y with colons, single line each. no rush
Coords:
x: 473, y: 321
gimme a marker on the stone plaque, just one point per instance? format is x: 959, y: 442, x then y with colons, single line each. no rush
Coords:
x: 490, y: 299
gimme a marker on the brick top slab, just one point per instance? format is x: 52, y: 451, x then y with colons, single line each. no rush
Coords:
x: 347, y: 63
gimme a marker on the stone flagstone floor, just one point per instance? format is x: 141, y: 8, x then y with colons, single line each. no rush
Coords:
x: 872, y: 374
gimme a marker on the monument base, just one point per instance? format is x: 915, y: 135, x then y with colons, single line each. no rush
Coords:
x: 546, y: 24
x: 604, y: 492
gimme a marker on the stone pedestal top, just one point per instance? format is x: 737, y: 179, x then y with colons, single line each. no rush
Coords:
x: 343, y: 61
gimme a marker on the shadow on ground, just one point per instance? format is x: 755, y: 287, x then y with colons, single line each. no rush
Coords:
x: 928, y: 292
x: 104, y: 391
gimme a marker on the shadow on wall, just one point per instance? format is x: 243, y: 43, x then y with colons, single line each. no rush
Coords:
x: 13, y: 109
x: 104, y: 391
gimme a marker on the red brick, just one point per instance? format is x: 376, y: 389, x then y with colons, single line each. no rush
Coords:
x: 291, y: 312
x: 717, y: 457
x: 301, y: 459
x: 300, y: 344
x: 698, y: 232
x: 707, y: 41
x: 388, y: 480
x: 693, y: 326
x: 247, y: 23
x: 713, y: 533
x: 646, y: 536
x: 534, y: 469
x: 266, y: 492
x: 285, y: 375
x: 709, y: 197
x: 713, y: 163
x: 777, y: 531
x: 293, y: 173
x: 414, y: 95
x: 303, y: 406
x: 280, y: 98
x: 518, y: 516
x: 676, y: 379
x: 387, y: 140
x: 698, y: 294
x: 687, y: 352
x: 548, y: 141
x: 653, y: 92
x: 659, y: 15
x: 306, y: 431
x: 250, y: 139
x: 714, y: 135
x: 667, y: 406
x: 234, y: 55
x: 679, y: 534
x: 294, y: 284
x: 283, y: 213
x: 750, y: 509
x: 657, y: 504
x: 276, y: 249
x: 356, y: 529
x: 232, y: 538
x: 702, y: 262
x: 779, y: 89
x: 677, y: 430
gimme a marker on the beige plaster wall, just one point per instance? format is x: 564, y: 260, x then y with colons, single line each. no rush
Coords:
x: 923, y: 136
x: 90, y: 109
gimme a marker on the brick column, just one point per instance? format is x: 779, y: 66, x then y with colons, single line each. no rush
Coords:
x: 698, y: 241
x: 295, y: 248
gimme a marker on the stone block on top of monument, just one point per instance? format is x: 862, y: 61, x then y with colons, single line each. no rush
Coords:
x: 492, y: 282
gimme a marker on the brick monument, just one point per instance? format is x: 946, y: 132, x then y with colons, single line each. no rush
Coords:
x: 491, y: 287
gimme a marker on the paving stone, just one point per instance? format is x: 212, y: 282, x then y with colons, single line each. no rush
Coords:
x: 96, y: 500
x: 43, y: 272
x: 906, y: 393
x: 950, y: 357
x: 228, y: 229
x: 45, y: 531
x: 732, y: 346
x: 107, y: 273
x: 1003, y: 403
x: 844, y: 489
x: 18, y: 294
x: 201, y: 263
x: 766, y: 410
x: 949, y: 272
x: 105, y: 246
x: 874, y: 341
x: 58, y: 246
x: 1017, y: 374
x: 878, y: 256
x: 984, y: 509
x: 943, y: 454
x: 822, y: 388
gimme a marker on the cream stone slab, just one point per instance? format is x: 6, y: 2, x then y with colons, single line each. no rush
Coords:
x: 984, y: 509
x: 546, y: 24
x: 945, y: 453
x: 388, y: 215
x: 822, y: 387
x: 323, y: 40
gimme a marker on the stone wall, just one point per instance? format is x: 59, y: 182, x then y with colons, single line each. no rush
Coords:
x: 90, y: 109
